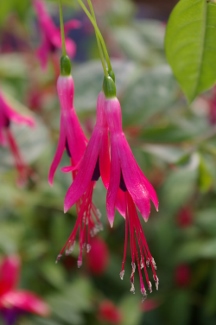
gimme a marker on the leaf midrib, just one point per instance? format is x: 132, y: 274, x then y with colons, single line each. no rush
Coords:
x: 203, y: 40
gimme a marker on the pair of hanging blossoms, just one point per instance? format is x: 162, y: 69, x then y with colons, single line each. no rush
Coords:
x: 107, y: 154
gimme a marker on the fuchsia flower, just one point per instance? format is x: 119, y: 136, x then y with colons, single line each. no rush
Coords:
x: 8, y: 115
x: 126, y: 176
x: 73, y: 140
x: 13, y: 302
x: 95, y: 162
x: 127, y: 185
x: 51, y: 36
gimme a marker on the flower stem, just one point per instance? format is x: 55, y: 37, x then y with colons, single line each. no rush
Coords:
x: 102, y: 44
x: 100, y: 37
x: 62, y: 28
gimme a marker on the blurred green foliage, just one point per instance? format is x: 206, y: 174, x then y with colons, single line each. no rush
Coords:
x: 174, y: 144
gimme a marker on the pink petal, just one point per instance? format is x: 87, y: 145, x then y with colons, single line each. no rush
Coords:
x: 130, y: 170
x: 70, y: 47
x: 76, y: 139
x: 121, y: 203
x: 42, y: 53
x: 104, y: 159
x: 59, y: 152
x: 71, y: 24
x: 9, y: 273
x: 113, y: 188
x: 25, y: 301
x: 84, y: 175
x: 12, y: 115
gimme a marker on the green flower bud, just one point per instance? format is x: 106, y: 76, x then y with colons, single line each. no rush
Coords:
x: 112, y: 74
x: 109, y: 87
x: 65, y: 65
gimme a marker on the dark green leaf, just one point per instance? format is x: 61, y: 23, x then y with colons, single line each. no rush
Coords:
x: 190, y: 45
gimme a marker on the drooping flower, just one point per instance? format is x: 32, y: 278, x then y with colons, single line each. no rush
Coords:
x: 126, y: 183
x: 109, y: 313
x: 51, y: 36
x: 73, y: 140
x: 127, y: 177
x: 71, y: 137
x: 98, y: 257
x: 8, y: 115
x: 95, y: 162
x: 125, y: 172
x: 15, y: 302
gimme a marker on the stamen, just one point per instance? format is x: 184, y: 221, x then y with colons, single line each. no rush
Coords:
x: 144, y: 293
x: 150, y: 287
x: 156, y: 281
x: 154, y: 263
x: 58, y: 258
x: 88, y: 248
x: 132, y: 289
x: 122, y: 273
x: 79, y: 263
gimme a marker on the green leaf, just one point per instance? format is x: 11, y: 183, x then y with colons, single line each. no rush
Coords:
x: 147, y: 93
x: 196, y: 249
x: 179, y: 307
x: 205, y: 179
x: 180, y: 184
x: 167, y: 153
x: 130, y: 306
x: 190, y: 45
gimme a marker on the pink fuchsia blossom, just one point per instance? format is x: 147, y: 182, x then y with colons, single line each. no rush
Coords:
x: 15, y: 302
x: 95, y: 162
x: 71, y: 137
x: 125, y: 173
x: 127, y: 178
x: 8, y: 115
x: 51, y: 35
x: 73, y: 140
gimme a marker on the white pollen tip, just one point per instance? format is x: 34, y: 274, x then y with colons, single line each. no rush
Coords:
x: 79, y: 263
x: 122, y: 274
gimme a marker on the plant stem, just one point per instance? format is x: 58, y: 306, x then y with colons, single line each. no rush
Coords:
x: 62, y: 28
x: 102, y: 44
x: 97, y: 31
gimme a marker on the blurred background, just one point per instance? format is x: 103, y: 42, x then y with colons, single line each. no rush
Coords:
x: 174, y: 144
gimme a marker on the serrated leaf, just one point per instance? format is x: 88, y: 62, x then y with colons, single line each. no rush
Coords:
x: 190, y: 45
